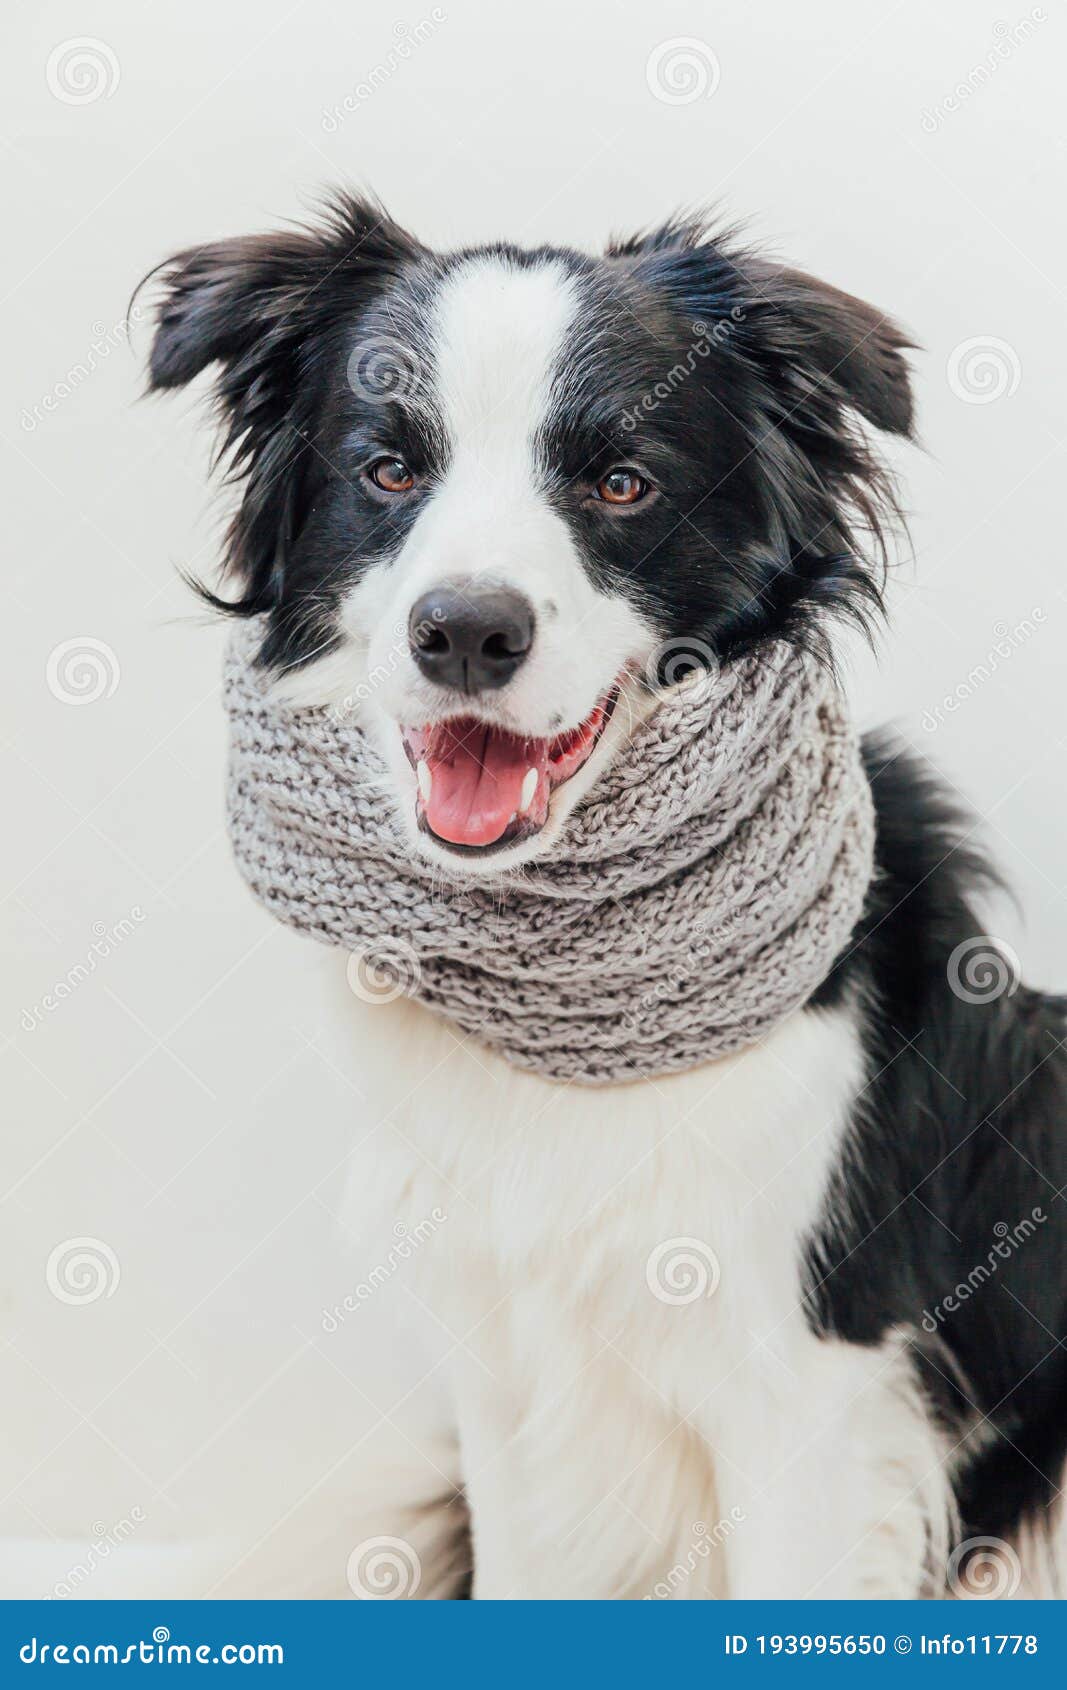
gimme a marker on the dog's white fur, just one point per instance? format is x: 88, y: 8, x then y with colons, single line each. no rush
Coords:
x: 607, y: 1432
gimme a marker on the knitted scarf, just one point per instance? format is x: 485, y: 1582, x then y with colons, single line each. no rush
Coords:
x: 698, y: 895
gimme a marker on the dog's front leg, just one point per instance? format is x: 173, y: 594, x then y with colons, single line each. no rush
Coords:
x: 831, y: 1469
x: 488, y: 1420
x: 583, y: 1484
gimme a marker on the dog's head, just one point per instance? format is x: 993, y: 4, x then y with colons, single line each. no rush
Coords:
x: 493, y: 501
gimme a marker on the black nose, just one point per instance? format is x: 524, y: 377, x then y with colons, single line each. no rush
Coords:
x: 472, y: 638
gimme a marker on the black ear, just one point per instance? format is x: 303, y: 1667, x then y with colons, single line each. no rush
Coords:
x: 803, y: 371
x: 821, y: 365
x: 258, y: 306
x: 853, y: 351
x: 853, y: 347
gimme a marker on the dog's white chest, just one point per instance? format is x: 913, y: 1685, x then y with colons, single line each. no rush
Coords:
x: 604, y: 1261
x: 528, y: 1163
x: 582, y: 1184
x: 618, y: 1273
x: 581, y: 1192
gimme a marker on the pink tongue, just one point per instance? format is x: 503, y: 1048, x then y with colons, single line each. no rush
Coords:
x: 477, y: 774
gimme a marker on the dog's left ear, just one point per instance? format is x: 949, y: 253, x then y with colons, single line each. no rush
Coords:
x: 815, y: 365
x: 854, y: 349
x: 803, y: 371
x: 813, y: 350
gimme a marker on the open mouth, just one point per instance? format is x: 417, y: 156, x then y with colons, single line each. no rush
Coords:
x: 480, y: 787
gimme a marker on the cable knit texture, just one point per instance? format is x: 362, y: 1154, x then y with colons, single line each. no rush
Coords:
x: 698, y: 896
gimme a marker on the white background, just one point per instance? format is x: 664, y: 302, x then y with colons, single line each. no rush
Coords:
x: 174, y: 1105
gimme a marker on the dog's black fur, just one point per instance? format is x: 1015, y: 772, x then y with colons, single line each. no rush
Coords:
x: 771, y: 495
x: 960, y: 1132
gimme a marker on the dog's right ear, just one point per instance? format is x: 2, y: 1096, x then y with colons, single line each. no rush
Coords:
x: 220, y: 300
x: 255, y: 306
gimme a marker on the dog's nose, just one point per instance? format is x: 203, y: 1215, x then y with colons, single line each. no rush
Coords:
x: 470, y: 637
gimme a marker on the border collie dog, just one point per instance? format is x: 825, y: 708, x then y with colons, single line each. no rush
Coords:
x: 482, y: 486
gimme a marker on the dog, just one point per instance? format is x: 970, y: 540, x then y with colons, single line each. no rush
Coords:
x: 480, y: 493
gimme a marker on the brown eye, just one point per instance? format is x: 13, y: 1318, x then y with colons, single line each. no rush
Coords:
x: 621, y: 487
x: 391, y: 475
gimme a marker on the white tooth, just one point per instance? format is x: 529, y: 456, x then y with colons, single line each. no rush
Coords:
x: 529, y: 787
x: 425, y: 780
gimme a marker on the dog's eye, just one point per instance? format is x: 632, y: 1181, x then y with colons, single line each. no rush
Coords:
x: 621, y: 487
x: 391, y: 475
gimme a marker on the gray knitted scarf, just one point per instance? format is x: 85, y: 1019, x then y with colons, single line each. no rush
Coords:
x: 699, y: 894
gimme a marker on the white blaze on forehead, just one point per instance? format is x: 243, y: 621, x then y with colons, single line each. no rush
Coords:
x: 499, y: 329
